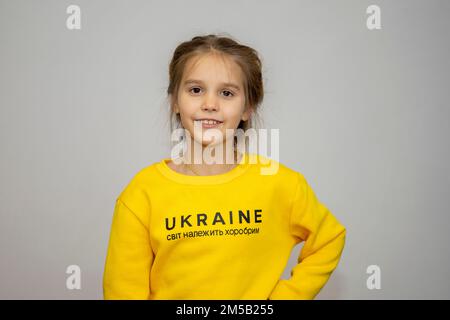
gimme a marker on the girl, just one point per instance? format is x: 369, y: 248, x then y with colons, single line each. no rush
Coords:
x: 186, y: 229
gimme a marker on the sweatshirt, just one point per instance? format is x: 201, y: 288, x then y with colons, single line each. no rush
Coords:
x: 227, y: 236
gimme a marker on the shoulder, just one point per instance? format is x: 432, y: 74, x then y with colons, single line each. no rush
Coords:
x: 271, y: 168
x: 135, y: 192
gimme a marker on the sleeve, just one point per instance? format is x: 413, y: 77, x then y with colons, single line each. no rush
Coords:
x: 324, y: 238
x: 129, y: 257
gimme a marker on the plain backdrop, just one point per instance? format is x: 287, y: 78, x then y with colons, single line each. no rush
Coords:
x: 363, y: 114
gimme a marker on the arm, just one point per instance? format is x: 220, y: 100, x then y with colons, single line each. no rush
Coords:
x: 324, y: 240
x: 129, y: 257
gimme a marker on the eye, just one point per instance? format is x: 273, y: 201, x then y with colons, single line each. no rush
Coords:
x: 190, y: 90
x: 231, y: 93
x: 228, y: 93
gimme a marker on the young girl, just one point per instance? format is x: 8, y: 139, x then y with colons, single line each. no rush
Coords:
x: 187, y: 229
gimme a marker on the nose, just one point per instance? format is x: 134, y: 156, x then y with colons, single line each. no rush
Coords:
x: 210, y: 103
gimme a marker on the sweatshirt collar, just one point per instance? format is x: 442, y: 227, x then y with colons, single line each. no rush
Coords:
x: 175, y: 176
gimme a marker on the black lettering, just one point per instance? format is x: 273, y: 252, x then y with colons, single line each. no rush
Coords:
x: 185, y: 220
x: 242, y: 215
x: 257, y: 216
x: 201, y: 217
x: 218, y: 216
x: 245, y: 216
x: 167, y: 224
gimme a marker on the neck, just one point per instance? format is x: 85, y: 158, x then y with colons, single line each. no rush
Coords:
x: 210, y: 160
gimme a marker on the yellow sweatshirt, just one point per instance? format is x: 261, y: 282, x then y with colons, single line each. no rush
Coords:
x: 226, y: 236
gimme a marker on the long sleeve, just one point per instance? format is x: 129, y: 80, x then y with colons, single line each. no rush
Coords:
x: 129, y: 256
x: 324, y: 238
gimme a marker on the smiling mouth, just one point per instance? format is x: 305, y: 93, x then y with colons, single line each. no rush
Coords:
x: 209, y: 123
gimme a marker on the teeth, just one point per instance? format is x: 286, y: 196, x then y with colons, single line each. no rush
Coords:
x: 209, y: 121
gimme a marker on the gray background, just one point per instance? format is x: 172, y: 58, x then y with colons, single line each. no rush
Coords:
x: 362, y: 114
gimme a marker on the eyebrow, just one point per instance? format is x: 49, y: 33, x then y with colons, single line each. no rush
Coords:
x: 227, y: 84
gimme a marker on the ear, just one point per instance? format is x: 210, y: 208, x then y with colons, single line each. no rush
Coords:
x: 176, y: 109
x: 246, y: 114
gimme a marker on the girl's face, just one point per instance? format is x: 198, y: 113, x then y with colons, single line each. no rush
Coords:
x: 211, y: 88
